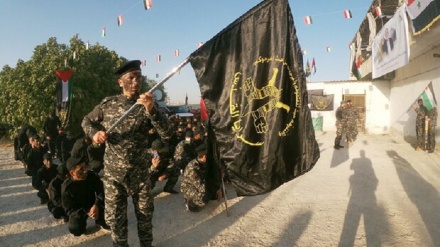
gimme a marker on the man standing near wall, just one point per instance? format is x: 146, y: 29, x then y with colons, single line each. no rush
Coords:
x: 431, y: 129
x: 339, y: 125
x: 351, y: 118
x: 420, y: 124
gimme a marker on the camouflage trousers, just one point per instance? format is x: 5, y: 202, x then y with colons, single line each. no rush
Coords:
x: 116, y: 195
x: 420, y: 133
x: 431, y: 140
x: 351, y: 131
x: 339, y: 132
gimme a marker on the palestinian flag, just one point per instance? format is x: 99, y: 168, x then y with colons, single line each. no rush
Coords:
x: 428, y: 97
x: 423, y: 14
x: 356, y: 69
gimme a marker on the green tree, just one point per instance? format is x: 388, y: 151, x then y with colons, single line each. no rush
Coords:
x: 28, y: 91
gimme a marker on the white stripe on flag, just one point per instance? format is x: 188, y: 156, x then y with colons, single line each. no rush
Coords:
x: 65, y: 91
x: 416, y: 7
x: 428, y: 98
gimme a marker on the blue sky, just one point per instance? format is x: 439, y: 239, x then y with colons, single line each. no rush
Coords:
x: 170, y: 25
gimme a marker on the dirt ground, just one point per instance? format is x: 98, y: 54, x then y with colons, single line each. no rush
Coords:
x: 380, y: 192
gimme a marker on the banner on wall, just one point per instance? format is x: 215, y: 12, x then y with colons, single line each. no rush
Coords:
x: 391, y: 45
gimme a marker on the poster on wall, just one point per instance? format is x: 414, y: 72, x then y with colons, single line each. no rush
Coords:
x: 321, y: 102
x: 391, y: 45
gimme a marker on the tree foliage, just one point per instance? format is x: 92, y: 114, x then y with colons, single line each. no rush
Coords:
x: 28, y: 91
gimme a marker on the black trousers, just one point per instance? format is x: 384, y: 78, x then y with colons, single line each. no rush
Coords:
x: 78, y: 221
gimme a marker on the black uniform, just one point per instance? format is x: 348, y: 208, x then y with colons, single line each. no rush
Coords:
x: 50, y: 128
x: 21, y: 140
x: 55, y: 205
x: 78, y: 197
x: 34, y: 161
x: 44, y: 177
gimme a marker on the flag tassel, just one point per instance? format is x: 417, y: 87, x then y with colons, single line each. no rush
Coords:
x: 171, y: 74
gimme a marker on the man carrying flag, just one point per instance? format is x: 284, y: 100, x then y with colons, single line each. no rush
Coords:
x: 261, y: 128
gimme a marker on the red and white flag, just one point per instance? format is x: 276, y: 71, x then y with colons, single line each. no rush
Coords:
x: 378, y: 11
x: 158, y: 58
x: 103, y: 33
x: 144, y: 62
x: 308, y: 20
x: 423, y: 14
x: 148, y: 4
x: 176, y: 52
x: 313, y: 66
x: 347, y: 14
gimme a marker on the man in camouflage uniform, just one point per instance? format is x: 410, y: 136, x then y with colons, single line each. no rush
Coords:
x: 194, y: 183
x: 339, y: 125
x: 166, y: 168
x: 351, y: 118
x: 432, y: 114
x: 420, y: 124
x: 126, y: 160
x: 185, y: 151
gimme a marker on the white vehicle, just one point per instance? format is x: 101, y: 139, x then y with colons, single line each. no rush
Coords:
x: 180, y: 110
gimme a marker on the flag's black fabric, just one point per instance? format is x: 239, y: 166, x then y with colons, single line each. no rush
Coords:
x: 311, y: 92
x: 321, y: 102
x: 253, y: 83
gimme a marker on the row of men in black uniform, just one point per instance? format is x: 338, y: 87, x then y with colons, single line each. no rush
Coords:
x: 48, y: 178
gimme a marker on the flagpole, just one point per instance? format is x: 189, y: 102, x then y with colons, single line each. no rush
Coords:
x: 171, y: 74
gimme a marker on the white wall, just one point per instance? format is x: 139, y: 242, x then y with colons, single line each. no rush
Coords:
x: 376, y: 103
x: 406, y: 88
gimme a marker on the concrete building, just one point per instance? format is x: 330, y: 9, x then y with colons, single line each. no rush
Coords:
x: 385, y: 102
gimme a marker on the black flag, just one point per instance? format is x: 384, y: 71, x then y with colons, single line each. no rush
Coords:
x: 253, y: 83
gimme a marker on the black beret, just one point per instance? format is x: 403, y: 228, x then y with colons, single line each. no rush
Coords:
x: 47, y: 156
x: 62, y: 169
x: 73, y: 161
x: 198, y: 131
x: 189, y: 134
x: 201, y: 149
x: 129, y: 66
x: 157, y: 145
x: 35, y: 137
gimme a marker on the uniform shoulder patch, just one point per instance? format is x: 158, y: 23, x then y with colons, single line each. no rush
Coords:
x: 108, y: 99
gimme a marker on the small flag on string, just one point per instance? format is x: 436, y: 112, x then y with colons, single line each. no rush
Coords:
x: 328, y: 48
x: 347, y: 14
x: 176, y: 52
x: 199, y: 44
x: 87, y: 45
x: 65, y: 62
x: 308, y: 20
x: 308, y: 68
x: 144, y: 62
x: 304, y: 52
x: 74, y: 54
x: 351, y: 46
x: 158, y: 58
x: 148, y: 4
x: 157, y: 75
x: 313, y: 66
x: 120, y: 20
x: 378, y: 11
x: 103, y: 32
